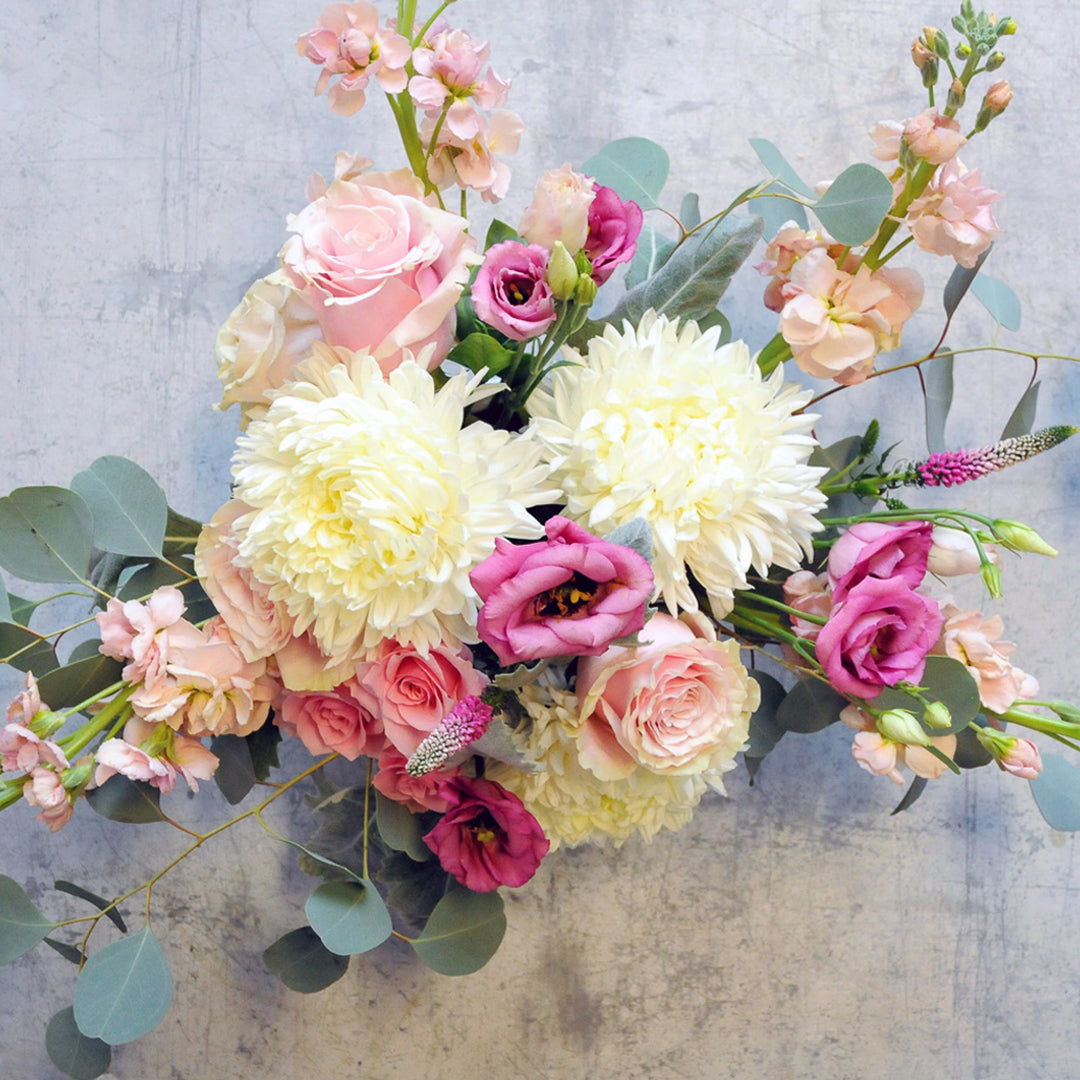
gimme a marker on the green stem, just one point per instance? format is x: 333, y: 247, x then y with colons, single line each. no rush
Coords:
x: 114, y: 711
x: 777, y: 352
x: 1041, y: 723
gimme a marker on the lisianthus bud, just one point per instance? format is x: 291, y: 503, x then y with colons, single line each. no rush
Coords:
x: 991, y: 576
x: 585, y: 292
x: 900, y: 726
x: 562, y: 273
x: 937, y: 715
x: 1020, y: 537
x: 1017, y: 756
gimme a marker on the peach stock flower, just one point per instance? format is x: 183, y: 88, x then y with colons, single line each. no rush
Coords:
x: 953, y: 215
x: 45, y: 790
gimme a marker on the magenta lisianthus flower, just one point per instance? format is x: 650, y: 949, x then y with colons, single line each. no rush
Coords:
x: 614, y: 228
x: 877, y: 636
x: 487, y: 838
x: 511, y: 293
x: 879, y: 550
x: 571, y: 594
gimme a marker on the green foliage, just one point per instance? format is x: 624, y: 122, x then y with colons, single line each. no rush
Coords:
x: 76, y: 682
x: 765, y: 732
x: 401, y: 829
x: 413, y: 888
x: 915, y: 789
x: 653, y: 250
x: 970, y: 753
x: 45, y: 534
x: 181, y: 532
x: 635, y: 168
x: 28, y: 651
x: 1002, y: 303
x: 776, y: 210
x: 938, y: 380
x: 636, y: 534
x: 128, y: 801
x: 349, y: 916
x: 148, y: 578
x: 130, y: 510
x: 480, y: 350
x: 72, y: 1052
x: 463, y: 933
x: 1057, y: 793
x: 5, y: 606
x: 263, y: 745
x: 498, y: 232
x: 22, y: 926
x: 856, y: 203
x: 235, y: 774
x: 1022, y: 419
x: 124, y: 990
x: 945, y: 680
x: 779, y: 168
x: 960, y: 281
x: 303, y: 963
x: 810, y: 706
x: 68, y: 952
x: 99, y: 902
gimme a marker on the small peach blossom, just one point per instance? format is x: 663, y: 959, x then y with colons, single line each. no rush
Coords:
x: 27, y: 703
x: 857, y: 719
x: 21, y: 750
x: 559, y: 210
x: 807, y: 592
x: 45, y: 790
x: 933, y: 137
x: 886, y: 136
x: 1022, y: 759
x: 474, y: 163
x: 953, y: 215
x: 133, y: 631
x: 119, y: 756
x: 877, y: 755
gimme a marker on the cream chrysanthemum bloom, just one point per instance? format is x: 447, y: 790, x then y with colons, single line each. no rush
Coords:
x: 371, y: 504
x: 572, y: 806
x: 662, y: 423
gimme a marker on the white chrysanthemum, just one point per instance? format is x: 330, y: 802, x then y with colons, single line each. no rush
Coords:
x: 572, y: 806
x: 371, y: 504
x: 659, y: 422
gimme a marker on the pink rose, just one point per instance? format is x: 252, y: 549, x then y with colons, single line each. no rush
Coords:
x: 330, y: 723
x: 418, y: 793
x: 487, y: 838
x: 877, y: 636
x: 614, y: 228
x: 45, y: 790
x: 559, y: 210
x: 511, y: 292
x: 381, y: 268
x: 880, y: 550
x: 572, y: 594
x: 678, y: 704
x: 411, y: 692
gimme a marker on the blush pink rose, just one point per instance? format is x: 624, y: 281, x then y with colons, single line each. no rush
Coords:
x: 418, y: 793
x: 486, y: 838
x: 677, y: 704
x: 614, y: 228
x: 511, y: 292
x: 332, y: 723
x: 559, y: 210
x: 571, y: 594
x: 881, y: 550
x: 411, y: 692
x: 877, y: 636
x: 381, y: 268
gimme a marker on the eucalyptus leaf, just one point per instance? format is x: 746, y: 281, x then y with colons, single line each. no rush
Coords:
x: 130, y: 510
x: 810, y: 706
x: 938, y: 378
x: 76, y: 682
x: 235, y: 774
x: 22, y: 609
x: 73, y: 1053
x: 765, y: 732
x: 45, y: 534
x: 1057, y: 793
x: 778, y: 167
x: 777, y: 208
x: 970, y: 753
x: 128, y: 801
x: 653, y: 250
x: 181, y: 534
x: 150, y: 577
x: 68, y: 952
x: 960, y: 281
x: 413, y: 889
x: 124, y: 991
x: 400, y: 828
x: 303, y: 963
x: 945, y: 680
x: 915, y: 789
x: 22, y: 926
x: 25, y: 650
x: 263, y: 744
x: 716, y: 318
x: 5, y: 606
x: 1002, y: 303
x: 99, y: 902
x: 463, y: 933
x: 635, y: 168
x: 690, y: 211
x: 85, y: 650
x: 1022, y: 419
x: 349, y: 916
x: 855, y: 204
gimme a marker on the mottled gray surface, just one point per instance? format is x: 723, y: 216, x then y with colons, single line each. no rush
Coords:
x: 148, y: 156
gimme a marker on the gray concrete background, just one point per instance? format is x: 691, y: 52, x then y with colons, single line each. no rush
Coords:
x: 148, y: 157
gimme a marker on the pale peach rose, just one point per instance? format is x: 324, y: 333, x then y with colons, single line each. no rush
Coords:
x: 678, y: 704
x: 418, y: 793
x: 933, y: 137
x: 258, y: 625
x: 332, y: 723
x: 381, y: 268
x: 559, y: 210
x: 974, y: 640
x: 836, y: 322
x: 413, y: 691
x: 807, y: 592
x: 134, y: 632
x: 267, y: 334
x: 45, y: 790
x: 953, y: 215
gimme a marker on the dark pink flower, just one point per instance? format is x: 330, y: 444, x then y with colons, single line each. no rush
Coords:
x: 569, y: 595
x: 879, y: 550
x: 614, y: 227
x: 511, y: 292
x: 877, y: 636
x: 487, y: 838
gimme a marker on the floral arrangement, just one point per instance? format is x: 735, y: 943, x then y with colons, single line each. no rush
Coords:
x: 523, y: 547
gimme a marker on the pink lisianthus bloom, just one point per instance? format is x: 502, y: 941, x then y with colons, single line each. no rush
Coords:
x: 678, y: 704
x: 418, y: 793
x: 880, y: 550
x: 511, y: 292
x: 571, y: 594
x: 486, y: 838
x: 877, y: 636
x: 473, y: 163
x: 809, y: 592
x: 953, y: 216
x: 329, y: 723
x: 412, y: 692
x: 933, y: 137
x: 559, y: 210
x: 349, y: 42
x: 45, y: 789
x: 836, y: 322
x: 134, y: 632
x: 614, y: 228
x: 381, y: 268
x: 974, y: 640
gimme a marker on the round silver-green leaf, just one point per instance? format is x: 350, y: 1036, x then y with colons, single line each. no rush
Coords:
x: 130, y: 510
x: 72, y: 1052
x: 45, y: 534
x: 22, y: 926
x: 463, y: 933
x: 303, y: 963
x: 348, y: 916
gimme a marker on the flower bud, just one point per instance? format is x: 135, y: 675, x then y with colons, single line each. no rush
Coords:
x: 920, y: 54
x: 998, y: 96
x: 562, y: 274
x: 936, y: 40
x: 46, y: 723
x: 585, y: 291
x: 991, y: 576
x: 937, y: 715
x: 994, y: 61
x: 78, y: 776
x: 1017, y: 756
x: 1020, y: 537
x: 963, y: 50
x: 957, y: 94
x: 930, y: 73
x: 1006, y: 26
x: 1067, y: 711
x: 900, y: 726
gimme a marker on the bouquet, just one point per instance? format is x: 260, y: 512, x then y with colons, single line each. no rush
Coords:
x: 525, y: 548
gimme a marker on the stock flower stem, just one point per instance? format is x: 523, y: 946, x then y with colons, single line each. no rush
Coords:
x: 1041, y: 723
